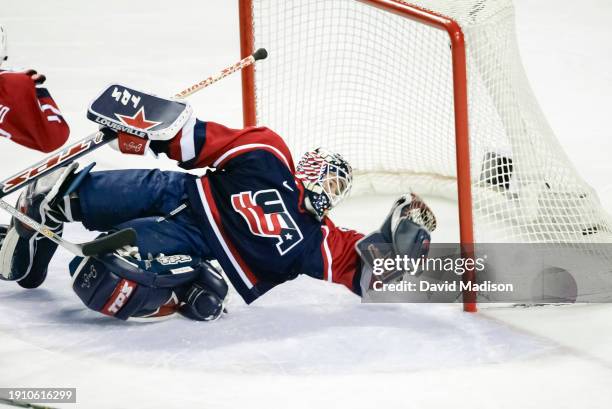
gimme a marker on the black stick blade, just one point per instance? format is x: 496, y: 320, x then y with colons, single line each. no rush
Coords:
x: 260, y: 54
x: 110, y: 243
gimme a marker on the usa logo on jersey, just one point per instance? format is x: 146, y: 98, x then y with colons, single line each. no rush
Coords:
x: 267, y: 216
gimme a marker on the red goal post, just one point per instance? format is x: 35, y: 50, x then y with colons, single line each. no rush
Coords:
x: 460, y: 92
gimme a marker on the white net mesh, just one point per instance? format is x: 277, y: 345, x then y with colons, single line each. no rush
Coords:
x: 377, y: 88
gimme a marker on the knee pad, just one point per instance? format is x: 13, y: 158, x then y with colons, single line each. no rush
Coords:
x: 205, y: 298
x: 124, y: 286
x: 107, y: 292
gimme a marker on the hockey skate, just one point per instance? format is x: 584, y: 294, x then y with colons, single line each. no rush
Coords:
x: 25, y: 253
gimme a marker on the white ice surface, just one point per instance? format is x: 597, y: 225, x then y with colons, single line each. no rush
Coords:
x: 305, y: 344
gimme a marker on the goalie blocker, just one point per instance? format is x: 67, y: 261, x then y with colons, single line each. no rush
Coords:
x: 146, y: 116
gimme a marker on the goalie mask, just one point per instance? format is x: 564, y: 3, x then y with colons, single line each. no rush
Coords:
x: 327, y: 179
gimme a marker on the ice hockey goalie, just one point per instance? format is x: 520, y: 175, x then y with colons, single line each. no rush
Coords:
x: 263, y: 218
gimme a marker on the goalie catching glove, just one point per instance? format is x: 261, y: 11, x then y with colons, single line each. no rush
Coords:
x: 404, y: 233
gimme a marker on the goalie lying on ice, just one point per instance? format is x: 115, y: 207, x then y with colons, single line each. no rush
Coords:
x: 262, y: 218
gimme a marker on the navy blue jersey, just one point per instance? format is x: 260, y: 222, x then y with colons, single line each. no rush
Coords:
x: 252, y: 210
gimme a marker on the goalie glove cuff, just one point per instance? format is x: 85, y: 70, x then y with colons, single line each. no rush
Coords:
x: 130, y: 144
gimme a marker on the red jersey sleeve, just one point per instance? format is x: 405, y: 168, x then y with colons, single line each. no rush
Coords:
x: 28, y: 114
x: 341, y: 262
x: 208, y: 144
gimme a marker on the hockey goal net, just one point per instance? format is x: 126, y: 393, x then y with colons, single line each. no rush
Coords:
x: 428, y: 95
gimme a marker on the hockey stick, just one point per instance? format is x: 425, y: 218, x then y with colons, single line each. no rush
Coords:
x: 86, y: 145
x: 104, y: 136
x: 102, y: 245
x: 260, y: 54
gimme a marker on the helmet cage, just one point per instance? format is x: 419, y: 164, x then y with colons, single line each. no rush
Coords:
x: 327, y: 178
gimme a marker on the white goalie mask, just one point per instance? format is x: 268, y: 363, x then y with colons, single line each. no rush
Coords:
x: 327, y: 179
x: 3, y: 46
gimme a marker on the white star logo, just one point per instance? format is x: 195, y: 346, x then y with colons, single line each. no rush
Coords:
x: 288, y: 236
